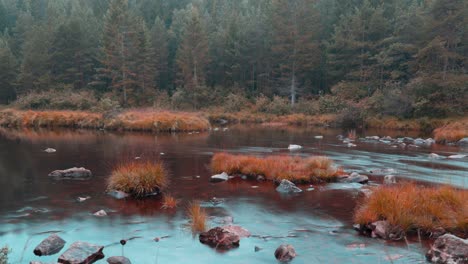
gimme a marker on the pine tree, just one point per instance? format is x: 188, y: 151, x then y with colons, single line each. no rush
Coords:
x: 7, y: 72
x: 116, y: 64
x: 296, y: 47
x: 160, y: 53
x: 192, y: 54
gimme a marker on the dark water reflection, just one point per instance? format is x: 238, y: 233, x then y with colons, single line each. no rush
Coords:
x: 317, y: 222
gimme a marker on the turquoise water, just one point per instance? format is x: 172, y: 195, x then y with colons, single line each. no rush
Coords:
x: 318, y: 223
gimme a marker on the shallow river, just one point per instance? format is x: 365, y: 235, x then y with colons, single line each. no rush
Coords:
x: 318, y: 222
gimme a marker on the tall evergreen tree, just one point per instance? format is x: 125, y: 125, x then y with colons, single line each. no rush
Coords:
x: 192, y: 54
x: 7, y: 72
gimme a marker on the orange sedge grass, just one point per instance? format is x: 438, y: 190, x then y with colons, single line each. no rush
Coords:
x: 139, y: 178
x: 412, y: 207
x: 296, y: 169
x: 452, y: 131
x: 197, y: 217
x: 134, y: 120
x: 169, y: 202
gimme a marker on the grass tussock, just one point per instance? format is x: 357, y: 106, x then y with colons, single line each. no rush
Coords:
x: 134, y: 120
x: 296, y: 169
x: 169, y: 202
x: 414, y: 207
x: 452, y: 131
x: 197, y: 217
x: 139, y: 178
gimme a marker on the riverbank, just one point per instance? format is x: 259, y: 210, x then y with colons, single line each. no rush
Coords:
x: 448, y: 130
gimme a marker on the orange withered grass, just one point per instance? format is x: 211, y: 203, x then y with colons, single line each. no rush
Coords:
x: 169, y: 202
x: 452, y: 132
x: 139, y: 178
x: 16, y: 118
x: 296, y: 169
x: 412, y: 207
x: 197, y: 217
x: 135, y: 120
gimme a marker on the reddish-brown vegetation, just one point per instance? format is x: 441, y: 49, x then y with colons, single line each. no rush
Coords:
x: 297, y: 169
x: 169, y: 202
x: 412, y: 207
x: 197, y: 217
x: 139, y: 178
x: 451, y: 132
x: 141, y: 120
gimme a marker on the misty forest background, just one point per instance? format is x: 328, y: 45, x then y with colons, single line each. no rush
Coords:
x: 403, y: 58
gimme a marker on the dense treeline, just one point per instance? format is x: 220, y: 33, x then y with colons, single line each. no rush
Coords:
x: 403, y: 58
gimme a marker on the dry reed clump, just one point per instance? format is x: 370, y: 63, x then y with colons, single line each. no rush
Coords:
x: 139, y: 178
x: 197, y: 217
x: 452, y: 132
x: 76, y: 119
x: 413, y: 207
x: 169, y: 202
x: 296, y: 169
x: 143, y: 120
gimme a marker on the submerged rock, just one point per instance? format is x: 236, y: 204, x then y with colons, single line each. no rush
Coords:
x: 50, y: 150
x: 100, y: 213
x: 383, y: 229
x: 355, y: 178
x: 220, y: 177
x: 294, y: 147
x: 220, y: 238
x: 463, y: 142
x: 288, y: 187
x: 458, y: 156
x: 49, y: 246
x: 448, y: 249
x: 118, y: 194
x: 72, y: 173
x: 435, y: 156
x: 118, y: 260
x: 240, y: 231
x: 82, y: 253
x: 389, y: 179
x: 285, y: 253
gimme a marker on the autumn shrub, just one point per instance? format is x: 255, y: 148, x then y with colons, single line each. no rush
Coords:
x: 279, y: 106
x: 139, y: 178
x: 330, y: 104
x: 307, y: 107
x: 57, y: 100
x: 198, y: 217
x: 296, y: 169
x: 236, y: 103
x: 261, y: 103
x: 411, y: 207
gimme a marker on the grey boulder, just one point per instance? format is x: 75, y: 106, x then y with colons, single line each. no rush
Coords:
x: 72, y: 173
x: 118, y: 260
x: 389, y: 179
x: 82, y: 253
x: 220, y: 177
x: 448, y: 249
x: 285, y: 253
x: 288, y: 187
x: 355, y: 178
x: 50, y: 246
